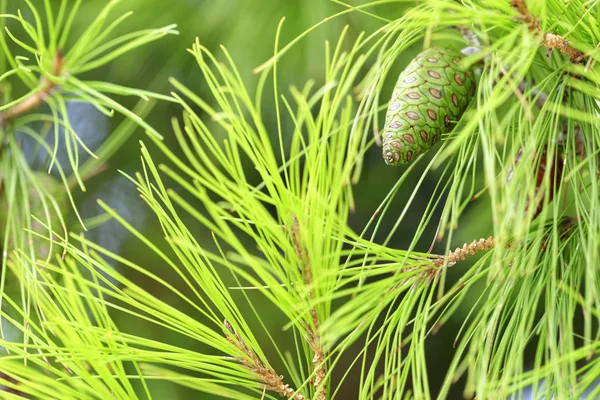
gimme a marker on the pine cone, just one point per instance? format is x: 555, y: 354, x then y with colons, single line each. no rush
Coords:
x: 431, y: 94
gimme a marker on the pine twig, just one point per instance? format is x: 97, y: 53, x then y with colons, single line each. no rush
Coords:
x: 541, y: 97
x: 36, y: 99
x: 468, y: 249
x: 266, y: 374
x: 314, y: 339
x: 550, y: 40
x: 476, y: 246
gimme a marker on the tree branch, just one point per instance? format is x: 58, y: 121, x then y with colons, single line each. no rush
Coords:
x: 550, y: 40
x: 541, y: 97
x: 468, y: 249
x: 314, y: 339
x: 477, y: 246
x: 36, y: 99
x: 266, y: 374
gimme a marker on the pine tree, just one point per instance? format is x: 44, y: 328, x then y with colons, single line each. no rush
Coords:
x: 289, y: 299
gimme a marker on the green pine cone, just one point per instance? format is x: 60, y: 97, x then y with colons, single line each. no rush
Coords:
x: 431, y: 94
x: 52, y: 187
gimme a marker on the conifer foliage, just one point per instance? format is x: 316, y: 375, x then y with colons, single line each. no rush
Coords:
x: 273, y: 290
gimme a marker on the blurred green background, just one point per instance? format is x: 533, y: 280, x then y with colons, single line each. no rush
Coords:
x: 247, y: 29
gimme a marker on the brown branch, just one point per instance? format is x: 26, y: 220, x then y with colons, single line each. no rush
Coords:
x: 314, y: 339
x: 36, y: 99
x: 266, y: 374
x: 476, y: 246
x: 468, y: 249
x: 550, y: 40
x: 432, y: 270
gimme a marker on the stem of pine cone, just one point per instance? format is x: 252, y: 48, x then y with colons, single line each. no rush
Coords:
x: 541, y: 97
x: 36, y: 99
x: 314, y: 339
x: 253, y: 363
x: 550, y: 40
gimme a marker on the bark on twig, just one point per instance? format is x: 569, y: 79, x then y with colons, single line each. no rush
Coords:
x: 266, y: 374
x: 314, y: 338
x: 476, y: 246
x: 468, y: 249
x: 550, y: 40
x: 430, y: 271
x: 36, y: 99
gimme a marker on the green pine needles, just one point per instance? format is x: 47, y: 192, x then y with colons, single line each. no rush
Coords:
x: 274, y: 292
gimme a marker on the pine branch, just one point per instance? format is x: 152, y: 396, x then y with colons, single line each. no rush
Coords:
x: 37, y: 98
x: 266, y: 374
x: 467, y: 250
x: 550, y: 40
x: 314, y: 339
x: 476, y: 246
x: 541, y: 97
